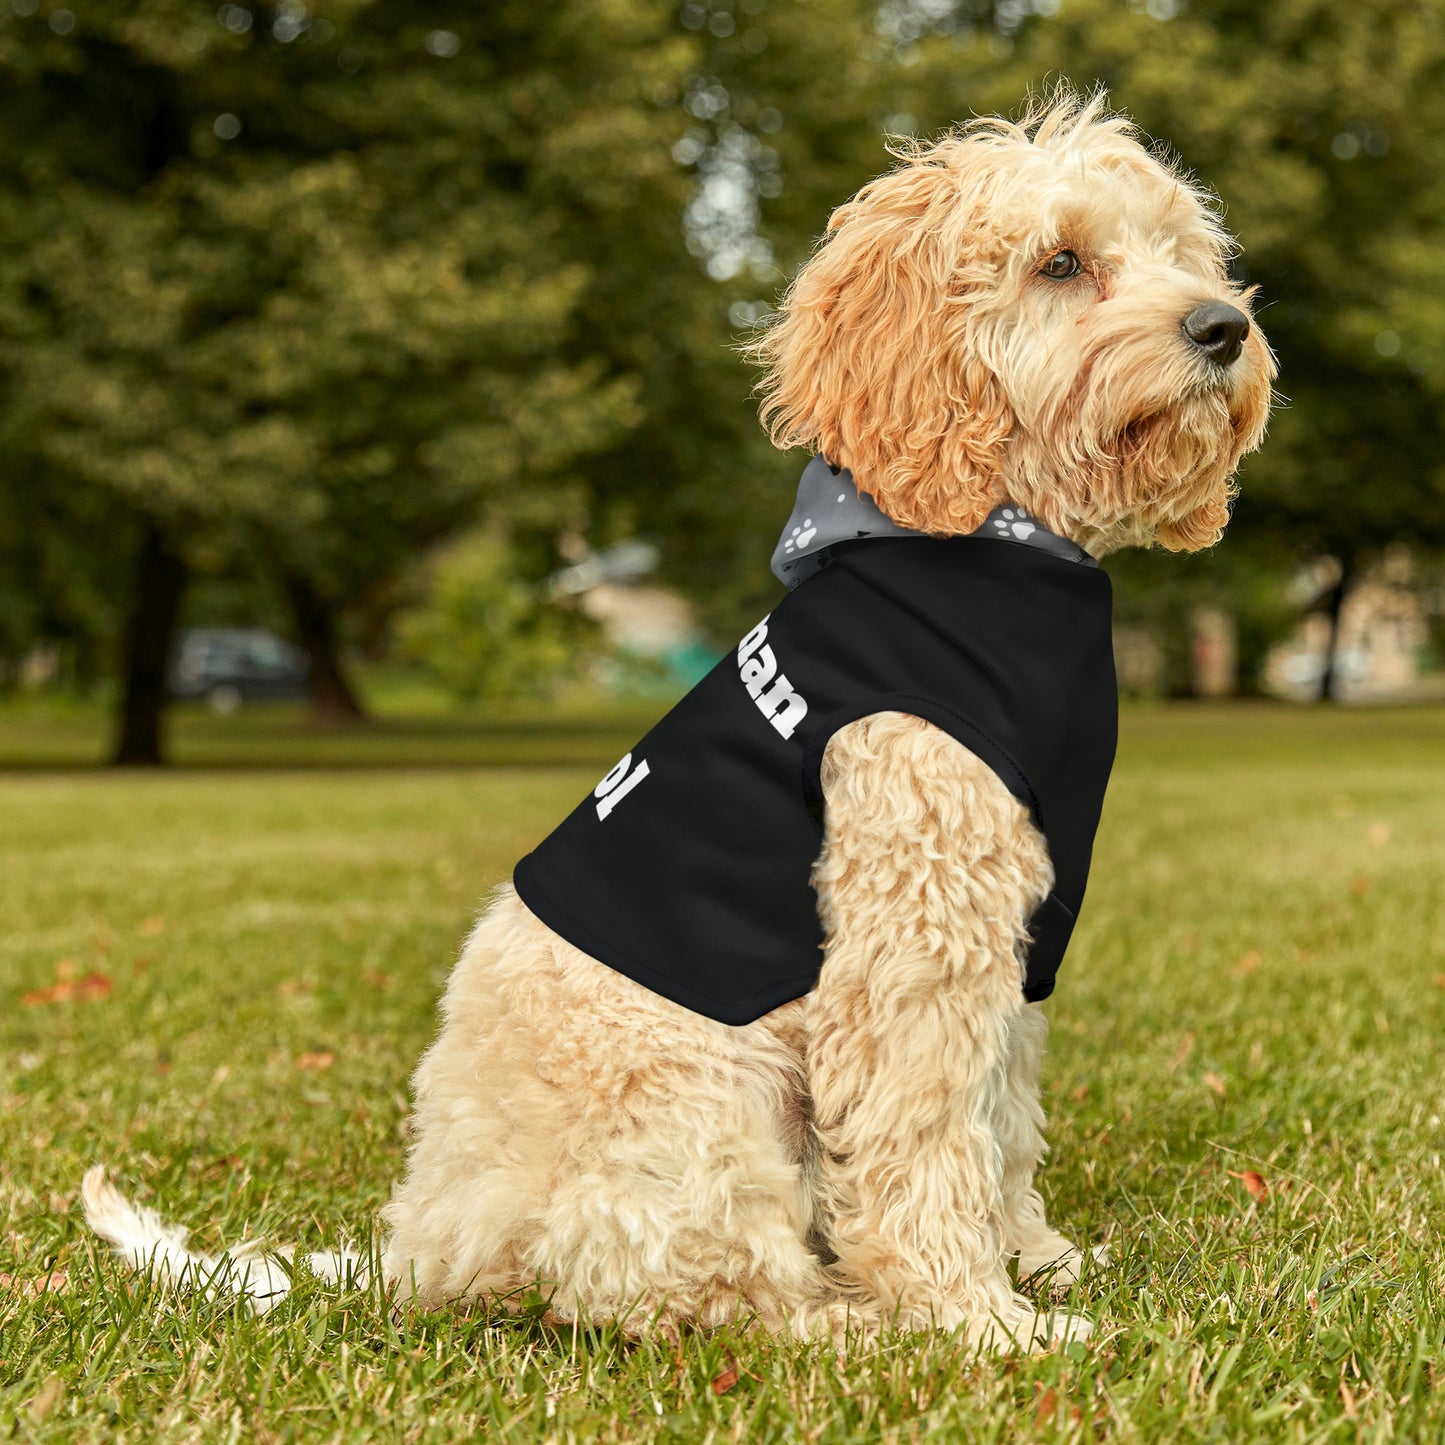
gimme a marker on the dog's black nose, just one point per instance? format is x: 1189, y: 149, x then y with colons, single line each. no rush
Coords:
x: 1217, y: 330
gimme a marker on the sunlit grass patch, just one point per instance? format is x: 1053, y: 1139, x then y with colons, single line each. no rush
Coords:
x: 1244, y: 1088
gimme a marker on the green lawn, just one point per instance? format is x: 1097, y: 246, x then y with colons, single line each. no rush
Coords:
x: 1258, y: 984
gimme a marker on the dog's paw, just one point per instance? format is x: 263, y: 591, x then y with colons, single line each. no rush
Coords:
x: 1023, y: 1326
x: 1058, y: 1266
x: 1060, y: 1327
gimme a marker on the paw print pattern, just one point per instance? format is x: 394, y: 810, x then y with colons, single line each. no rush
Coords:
x: 799, y: 537
x: 1015, y: 520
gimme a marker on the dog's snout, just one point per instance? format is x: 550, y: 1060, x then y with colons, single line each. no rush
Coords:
x: 1218, y: 330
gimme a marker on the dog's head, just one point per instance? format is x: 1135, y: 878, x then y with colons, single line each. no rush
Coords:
x: 1038, y: 311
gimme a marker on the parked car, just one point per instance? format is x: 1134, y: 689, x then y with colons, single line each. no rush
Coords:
x: 230, y: 665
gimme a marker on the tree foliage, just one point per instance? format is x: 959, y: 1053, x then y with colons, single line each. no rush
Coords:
x: 318, y: 285
x: 323, y: 284
x: 480, y: 633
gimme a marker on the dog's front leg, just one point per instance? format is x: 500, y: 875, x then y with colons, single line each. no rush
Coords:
x: 928, y: 873
x: 1019, y: 1127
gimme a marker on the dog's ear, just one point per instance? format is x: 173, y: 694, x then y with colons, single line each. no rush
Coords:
x: 873, y: 358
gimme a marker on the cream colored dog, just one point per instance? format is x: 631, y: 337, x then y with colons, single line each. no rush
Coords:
x: 1002, y: 315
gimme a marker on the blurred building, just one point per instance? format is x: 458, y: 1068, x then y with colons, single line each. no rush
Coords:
x: 657, y: 643
x: 1382, y: 645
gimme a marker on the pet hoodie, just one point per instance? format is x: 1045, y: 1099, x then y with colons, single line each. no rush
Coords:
x: 688, y: 868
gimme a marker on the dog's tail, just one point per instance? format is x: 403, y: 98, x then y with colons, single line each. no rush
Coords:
x: 147, y: 1243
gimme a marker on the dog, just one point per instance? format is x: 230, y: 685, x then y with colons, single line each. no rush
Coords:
x: 1026, y: 321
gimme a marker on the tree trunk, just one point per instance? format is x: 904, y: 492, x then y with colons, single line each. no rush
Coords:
x: 333, y: 699
x: 150, y: 629
x: 1329, y: 676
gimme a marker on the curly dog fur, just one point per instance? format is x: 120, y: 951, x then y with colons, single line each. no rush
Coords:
x: 866, y: 1155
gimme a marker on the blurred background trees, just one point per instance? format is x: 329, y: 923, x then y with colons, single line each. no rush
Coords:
x: 292, y: 295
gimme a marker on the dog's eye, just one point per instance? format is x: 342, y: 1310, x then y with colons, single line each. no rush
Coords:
x: 1060, y: 266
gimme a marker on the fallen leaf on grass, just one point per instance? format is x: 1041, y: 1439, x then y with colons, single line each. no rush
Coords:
x: 1247, y: 965
x: 1254, y: 1182
x: 377, y: 979
x: 1044, y: 1410
x: 1440, y: 980
x: 1377, y: 834
x: 1214, y: 1083
x: 321, y: 1059
x: 724, y: 1382
x: 56, y: 1282
x: 1181, y: 1054
x: 151, y: 927
x: 80, y: 990
x: 1360, y: 885
x: 1080, y: 1094
x: 46, y: 1398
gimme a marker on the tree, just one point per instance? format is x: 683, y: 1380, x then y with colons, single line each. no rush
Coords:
x: 309, y: 282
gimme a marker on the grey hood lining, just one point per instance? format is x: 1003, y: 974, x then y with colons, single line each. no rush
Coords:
x: 830, y: 509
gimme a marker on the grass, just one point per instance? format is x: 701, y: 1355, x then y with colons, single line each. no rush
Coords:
x: 1256, y: 986
x: 412, y: 728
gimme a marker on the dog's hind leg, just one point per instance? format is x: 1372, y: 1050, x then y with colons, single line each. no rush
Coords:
x: 577, y: 1135
x: 929, y: 872
x: 680, y: 1197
